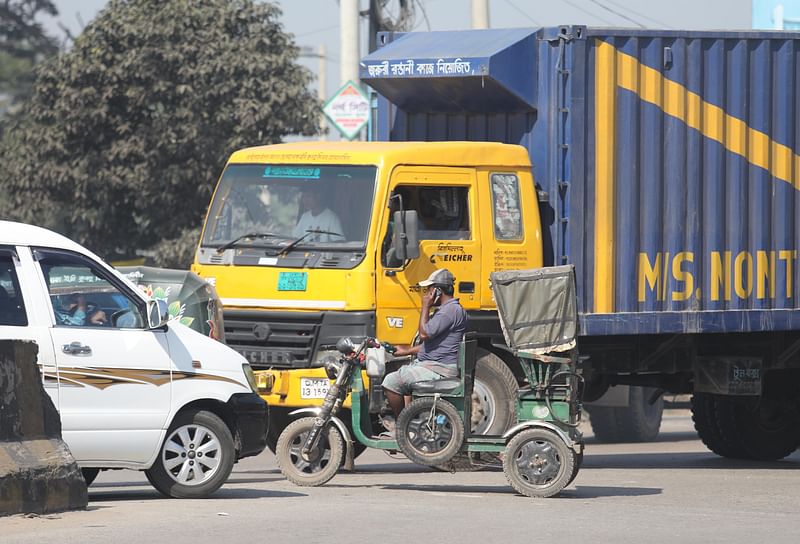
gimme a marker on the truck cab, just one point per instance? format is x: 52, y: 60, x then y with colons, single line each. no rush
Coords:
x: 292, y: 284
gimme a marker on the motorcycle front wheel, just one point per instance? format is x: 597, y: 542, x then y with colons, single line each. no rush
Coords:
x: 320, y: 465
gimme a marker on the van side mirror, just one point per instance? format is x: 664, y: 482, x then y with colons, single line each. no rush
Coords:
x: 406, y: 235
x: 157, y: 313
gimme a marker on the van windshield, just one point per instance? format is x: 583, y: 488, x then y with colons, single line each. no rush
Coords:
x: 280, y: 205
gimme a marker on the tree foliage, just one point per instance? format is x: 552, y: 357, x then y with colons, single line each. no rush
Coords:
x: 23, y: 42
x: 126, y: 133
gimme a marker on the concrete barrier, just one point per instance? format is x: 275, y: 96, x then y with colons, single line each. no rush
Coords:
x: 37, y: 472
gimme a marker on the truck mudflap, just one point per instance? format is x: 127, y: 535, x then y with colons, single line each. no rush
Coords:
x: 250, y: 413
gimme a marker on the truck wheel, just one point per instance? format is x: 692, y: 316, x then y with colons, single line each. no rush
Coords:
x: 640, y: 421
x: 89, y: 474
x: 766, y: 431
x: 705, y: 417
x: 538, y: 463
x: 494, y: 395
x: 320, y: 465
x: 196, y: 457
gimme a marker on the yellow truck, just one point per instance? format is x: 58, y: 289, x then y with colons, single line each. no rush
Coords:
x: 309, y: 242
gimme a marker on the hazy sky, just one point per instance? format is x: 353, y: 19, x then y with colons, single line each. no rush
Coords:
x: 316, y: 22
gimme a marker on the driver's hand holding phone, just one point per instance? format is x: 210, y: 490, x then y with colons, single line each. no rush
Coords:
x: 431, y: 297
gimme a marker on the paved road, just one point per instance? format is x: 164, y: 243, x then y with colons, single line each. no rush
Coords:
x: 672, y: 490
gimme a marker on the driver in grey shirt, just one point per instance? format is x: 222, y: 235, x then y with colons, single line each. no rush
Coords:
x: 441, y: 334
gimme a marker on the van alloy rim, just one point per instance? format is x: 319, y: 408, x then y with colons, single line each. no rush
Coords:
x: 191, y: 454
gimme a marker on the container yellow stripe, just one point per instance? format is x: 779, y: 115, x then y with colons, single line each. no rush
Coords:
x: 605, y: 116
x: 677, y: 101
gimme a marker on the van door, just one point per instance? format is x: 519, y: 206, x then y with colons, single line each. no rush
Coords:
x: 114, y: 373
x: 446, y: 202
x: 18, y: 316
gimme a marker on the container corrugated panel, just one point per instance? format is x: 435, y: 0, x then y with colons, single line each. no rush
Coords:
x: 672, y: 160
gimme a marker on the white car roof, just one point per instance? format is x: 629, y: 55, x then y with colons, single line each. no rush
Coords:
x: 21, y: 234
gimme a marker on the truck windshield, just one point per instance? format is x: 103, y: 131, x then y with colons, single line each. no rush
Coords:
x: 277, y: 204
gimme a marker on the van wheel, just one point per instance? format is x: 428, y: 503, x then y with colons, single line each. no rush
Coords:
x: 196, y: 457
x: 89, y: 474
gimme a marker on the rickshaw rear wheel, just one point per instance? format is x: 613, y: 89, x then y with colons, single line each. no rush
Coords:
x: 430, y: 431
x: 320, y: 465
x: 538, y: 463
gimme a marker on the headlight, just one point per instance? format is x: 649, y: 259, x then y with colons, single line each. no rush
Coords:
x: 332, y: 367
x: 251, y: 378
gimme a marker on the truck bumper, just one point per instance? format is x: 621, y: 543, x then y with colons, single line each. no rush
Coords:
x: 250, y: 413
x: 282, y: 388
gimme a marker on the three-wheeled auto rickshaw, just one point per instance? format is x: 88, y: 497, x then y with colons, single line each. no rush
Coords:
x: 541, y: 454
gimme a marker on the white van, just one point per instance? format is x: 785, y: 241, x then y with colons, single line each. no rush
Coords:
x: 133, y: 391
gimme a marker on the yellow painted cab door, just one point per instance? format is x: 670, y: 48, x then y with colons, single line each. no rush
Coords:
x: 446, y: 202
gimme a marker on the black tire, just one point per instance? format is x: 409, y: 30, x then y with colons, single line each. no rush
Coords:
x: 640, y: 421
x: 764, y: 430
x: 323, y: 463
x: 90, y: 474
x: 706, y: 417
x: 494, y: 396
x: 576, y: 468
x: 279, y: 419
x: 182, y: 470
x: 427, y: 444
x: 538, y: 463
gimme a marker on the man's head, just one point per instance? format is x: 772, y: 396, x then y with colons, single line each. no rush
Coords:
x: 310, y: 200
x: 441, y: 279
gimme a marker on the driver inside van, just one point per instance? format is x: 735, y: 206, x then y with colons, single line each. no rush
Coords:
x: 77, y: 313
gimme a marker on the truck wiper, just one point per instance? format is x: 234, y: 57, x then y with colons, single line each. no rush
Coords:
x: 291, y: 245
x: 249, y: 235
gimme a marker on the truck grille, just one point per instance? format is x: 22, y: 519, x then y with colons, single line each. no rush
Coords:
x: 278, y: 339
x: 273, y: 339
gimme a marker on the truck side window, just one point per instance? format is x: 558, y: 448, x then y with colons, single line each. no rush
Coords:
x: 443, y: 213
x: 12, y: 307
x: 83, y: 295
x: 507, y: 209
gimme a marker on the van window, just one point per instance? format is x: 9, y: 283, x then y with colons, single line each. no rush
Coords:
x: 12, y: 307
x: 84, y: 295
x: 507, y: 209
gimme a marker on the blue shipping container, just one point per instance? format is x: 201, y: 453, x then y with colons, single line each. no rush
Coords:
x: 671, y: 159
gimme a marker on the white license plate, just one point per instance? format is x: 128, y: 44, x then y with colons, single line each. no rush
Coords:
x: 314, y: 388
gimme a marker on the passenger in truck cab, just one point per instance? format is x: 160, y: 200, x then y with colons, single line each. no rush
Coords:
x: 317, y: 216
x: 436, y: 357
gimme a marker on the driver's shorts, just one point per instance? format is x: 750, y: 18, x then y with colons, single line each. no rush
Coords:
x: 400, y: 381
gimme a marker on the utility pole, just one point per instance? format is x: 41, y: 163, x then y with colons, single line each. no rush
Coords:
x: 480, y: 13
x: 348, y: 41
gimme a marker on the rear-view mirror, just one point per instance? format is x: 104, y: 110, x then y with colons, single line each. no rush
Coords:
x: 406, y: 235
x: 157, y: 313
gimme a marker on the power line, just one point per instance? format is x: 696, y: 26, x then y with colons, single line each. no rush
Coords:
x: 642, y: 15
x: 583, y: 9
x: 618, y: 14
x: 523, y: 12
x: 318, y: 31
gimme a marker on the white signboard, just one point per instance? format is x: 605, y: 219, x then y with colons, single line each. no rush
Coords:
x: 348, y: 110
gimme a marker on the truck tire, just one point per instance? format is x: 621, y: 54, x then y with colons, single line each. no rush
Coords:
x: 764, y: 430
x: 640, y: 421
x: 494, y: 395
x: 196, y: 457
x: 720, y: 440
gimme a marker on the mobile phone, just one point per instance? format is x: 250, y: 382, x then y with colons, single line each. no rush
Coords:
x: 437, y: 294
